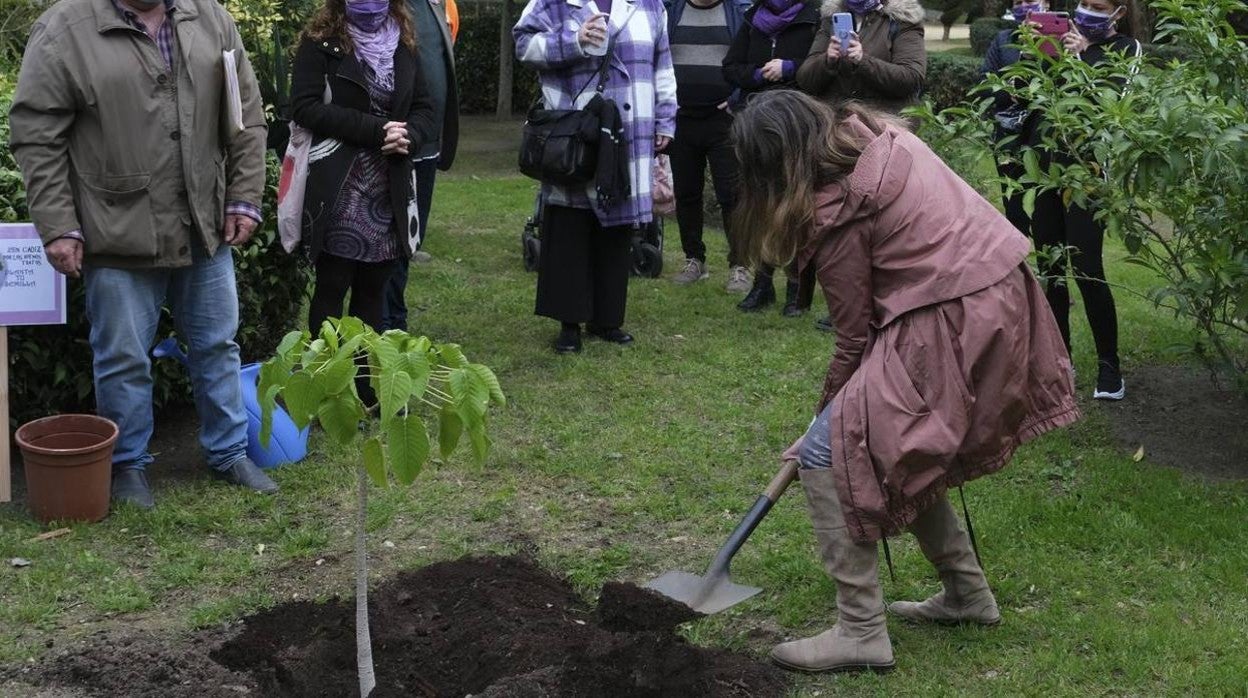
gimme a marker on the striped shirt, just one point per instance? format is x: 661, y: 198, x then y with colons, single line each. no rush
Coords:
x: 699, y: 44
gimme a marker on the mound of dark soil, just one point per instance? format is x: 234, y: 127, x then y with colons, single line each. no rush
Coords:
x: 1183, y: 419
x: 481, y: 626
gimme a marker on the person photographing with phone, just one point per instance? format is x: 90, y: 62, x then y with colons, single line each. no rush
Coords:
x: 877, y: 56
x: 1071, y: 234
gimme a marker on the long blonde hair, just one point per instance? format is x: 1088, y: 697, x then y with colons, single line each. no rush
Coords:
x: 788, y: 146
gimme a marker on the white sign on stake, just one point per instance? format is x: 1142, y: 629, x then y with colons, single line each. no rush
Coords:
x: 31, y: 293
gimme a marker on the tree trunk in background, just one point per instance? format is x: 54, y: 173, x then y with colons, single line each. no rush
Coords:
x: 506, y: 59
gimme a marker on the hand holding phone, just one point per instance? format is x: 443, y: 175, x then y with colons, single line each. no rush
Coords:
x: 1050, y: 24
x: 842, y: 28
x: 593, y: 34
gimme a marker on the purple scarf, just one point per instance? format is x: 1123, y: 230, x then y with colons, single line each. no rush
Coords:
x: 376, y: 49
x: 774, y: 16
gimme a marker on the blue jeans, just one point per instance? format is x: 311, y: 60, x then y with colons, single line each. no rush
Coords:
x: 816, y: 448
x: 123, y: 306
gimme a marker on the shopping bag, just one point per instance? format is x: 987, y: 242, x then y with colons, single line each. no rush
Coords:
x: 291, y: 187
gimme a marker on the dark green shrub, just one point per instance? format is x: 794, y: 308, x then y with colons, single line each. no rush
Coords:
x: 984, y: 30
x: 476, y: 61
x: 950, y: 77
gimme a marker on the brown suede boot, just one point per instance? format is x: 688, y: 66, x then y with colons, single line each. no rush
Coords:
x: 859, y: 640
x: 966, y: 597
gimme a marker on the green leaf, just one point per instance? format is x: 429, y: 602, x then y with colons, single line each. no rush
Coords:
x: 480, y: 442
x: 490, y: 381
x: 302, y: 396
x: 340, y: 417
x: 396, y: 390
x: 452, y: 356
x: 409, y: 447
x: 289, y: 344
x: 384, y: 354
x: 337, y: 375
x: 416, y: 363
x: 1029, y: 202
x: 450, y: 428
x: 351, y: 326
x: 268, y: 403
x: 375, y: 461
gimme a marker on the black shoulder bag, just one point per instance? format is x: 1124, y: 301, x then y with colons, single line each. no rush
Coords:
x: 560, y: 146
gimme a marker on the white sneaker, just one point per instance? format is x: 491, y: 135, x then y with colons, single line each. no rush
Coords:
x: 738, y: 280
x: 694, y: 270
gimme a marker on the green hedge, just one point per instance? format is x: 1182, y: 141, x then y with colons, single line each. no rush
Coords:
x: 476, y: 62
x: 984, y: 30
x: 950, y: 76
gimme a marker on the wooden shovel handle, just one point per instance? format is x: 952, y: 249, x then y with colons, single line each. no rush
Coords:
x: 781, y: 481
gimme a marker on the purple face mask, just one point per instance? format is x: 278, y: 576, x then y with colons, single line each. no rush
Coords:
x: 1094, y: 25
x: 368, y: 15
x: 1021, y: 11
x: 862, y: 7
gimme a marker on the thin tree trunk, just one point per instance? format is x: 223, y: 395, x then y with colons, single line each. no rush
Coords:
x: 363, y: 641
x: 506, y: 58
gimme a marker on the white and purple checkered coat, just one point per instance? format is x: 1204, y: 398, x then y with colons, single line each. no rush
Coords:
x: 641, y: 82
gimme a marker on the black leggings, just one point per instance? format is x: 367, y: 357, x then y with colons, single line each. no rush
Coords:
x: 335, y: 276
x: 1054, y: 224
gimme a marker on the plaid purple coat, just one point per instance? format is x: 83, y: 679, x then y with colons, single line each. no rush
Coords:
x: 641, y: 81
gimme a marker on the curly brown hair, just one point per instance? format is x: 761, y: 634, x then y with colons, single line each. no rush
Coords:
x: 330, y: 22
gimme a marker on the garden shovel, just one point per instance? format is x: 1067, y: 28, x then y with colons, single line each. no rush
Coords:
x: 714, y: 591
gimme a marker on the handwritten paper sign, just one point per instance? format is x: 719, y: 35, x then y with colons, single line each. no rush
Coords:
x: 31, y: 291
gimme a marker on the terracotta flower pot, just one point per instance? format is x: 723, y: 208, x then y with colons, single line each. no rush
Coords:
x: 68, y: 463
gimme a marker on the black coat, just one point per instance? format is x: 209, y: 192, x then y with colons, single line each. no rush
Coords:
x: 751, y: 48
x: 345, y: 126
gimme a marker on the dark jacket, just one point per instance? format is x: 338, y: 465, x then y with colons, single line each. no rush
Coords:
x: 894, y: 58
x: 752, y: 48
x: 345, y: 126
x: 450, y: 116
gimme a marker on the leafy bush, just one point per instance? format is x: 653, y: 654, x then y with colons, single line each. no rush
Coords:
x: 50, y: 367
x: 476, y: 62
x: 984, y: 30
x: 1165, y: 161
x: 950, y: 78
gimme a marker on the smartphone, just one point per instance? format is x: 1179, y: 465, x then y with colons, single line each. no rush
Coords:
x: 1050, y: 24
x: 842, y: 28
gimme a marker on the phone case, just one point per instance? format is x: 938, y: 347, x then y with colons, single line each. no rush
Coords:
x: 842, y: 27
x: 1052, y: 26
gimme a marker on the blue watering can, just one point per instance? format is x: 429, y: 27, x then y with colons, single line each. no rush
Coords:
x: 287, y: 444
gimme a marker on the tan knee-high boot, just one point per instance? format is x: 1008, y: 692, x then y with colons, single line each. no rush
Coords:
x: 859, y: 640
x: 965, y: 597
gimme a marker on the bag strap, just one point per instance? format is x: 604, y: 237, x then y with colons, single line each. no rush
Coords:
x: 601, y: 73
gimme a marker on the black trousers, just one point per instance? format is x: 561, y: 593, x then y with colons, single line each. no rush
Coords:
x: 582, y: 275
x: 335, y: 276
x: 699, y: 141
x: 1055, y: 224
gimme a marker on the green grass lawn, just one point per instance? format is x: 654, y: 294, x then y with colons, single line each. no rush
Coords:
x: 1114, y: 577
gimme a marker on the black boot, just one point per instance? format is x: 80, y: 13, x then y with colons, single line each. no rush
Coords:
x: 569, y: 339
x: 791, y: 308
x: 760, y: 296
x: 131, y: 486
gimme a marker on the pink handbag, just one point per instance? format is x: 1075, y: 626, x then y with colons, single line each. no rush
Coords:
x: 662, y: 191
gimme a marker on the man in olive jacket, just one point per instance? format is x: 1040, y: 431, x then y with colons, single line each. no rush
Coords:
x: 140, y: 180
